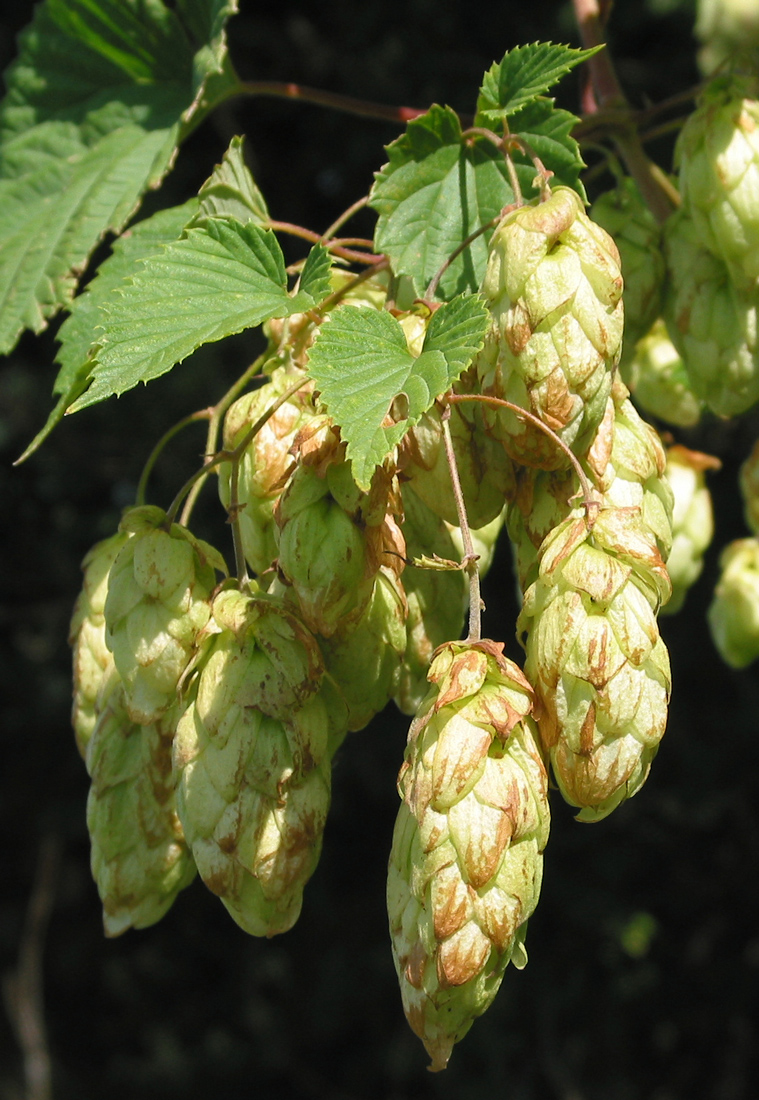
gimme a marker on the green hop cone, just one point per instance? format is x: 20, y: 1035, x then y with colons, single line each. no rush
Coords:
x: 332, y: 540
x: 636, y: 233
x: 554, y: 288
x: 485, y: 470
x: 713, y: 324
x: 718, y: 156
x: 466, y: 861
x: 253, y: 750
x: 726, y: 28
x: 749, y: 485
x: 659, y: 381
x: 733, y: 614
x: 139, y: 857
x: 364, y: 658
x: 692, y: 520
x: 92, y: 659
x: 595, y: 657
x: 158, y: 603
x: 266, y: 464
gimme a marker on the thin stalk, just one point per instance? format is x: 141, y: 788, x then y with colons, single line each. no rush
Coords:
x: 213, y: 431
x: 362, y: 107
x: 469, y: 563
x: 346, y: 215
x: 609, y: 95
x: 155, y: 454
x: 589, y: 503
x: 338, y: 295
x: 432, y: 288
x: 241, y: 565
x: 331, y: 246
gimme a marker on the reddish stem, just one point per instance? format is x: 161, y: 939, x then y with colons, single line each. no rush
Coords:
x: 347, y: 103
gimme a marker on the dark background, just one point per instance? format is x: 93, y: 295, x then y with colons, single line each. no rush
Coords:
x: 644, y: 951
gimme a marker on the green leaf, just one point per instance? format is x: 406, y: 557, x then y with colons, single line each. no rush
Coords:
x: 524, y: 73
x: 77, y: 333
x: 436, y: 189
x: 315, y: 277
x: 360, y: 363
x: 97, y: 102
x: 231, y: 191
x: 548, y: 132
x: 220, y: 279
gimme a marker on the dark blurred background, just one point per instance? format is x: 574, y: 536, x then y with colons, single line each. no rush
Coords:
x: 644, y: 951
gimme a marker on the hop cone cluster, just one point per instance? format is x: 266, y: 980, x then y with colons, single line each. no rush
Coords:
x: 466, y: 860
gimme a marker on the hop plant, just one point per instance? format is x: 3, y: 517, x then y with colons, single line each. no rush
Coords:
x: 554, y: 288
x: 139, y: 857
x: 718, y: 156
x: 158, y: 602
x: 659, y: 382
x: 733, y: 614
x: 92, y: 659
x: 712, y: 322
x: 253, y: 752
x: 725, y: 27
x: 749, y: 485
x: 637, y: 235
x: 466, y: 860
x: 692, y: 520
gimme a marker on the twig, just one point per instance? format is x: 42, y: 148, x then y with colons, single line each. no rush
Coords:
x: 363, y: 107
x: 24, y: 989
x: 202, y: 414
x: 469, y: 563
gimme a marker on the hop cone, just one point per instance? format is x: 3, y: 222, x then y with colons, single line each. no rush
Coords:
x: 332, y: 540
x: 466, y: 861
x: 749, y: 483
x: 733, y: 614
x: 364, y: 658
x: 253, y: 750
x: 139, y: 857
x: 718, y: 156
x: 595, y: 657
x: 554, y: 288
x: 485, y: 470
x: 713, y: 324
x: 726, y: 27
x: 92, y: 659
x: 692, y: 520
x: 266, y: 463
x: 659, y: 381
x: 636, y: 233
x: 158, y: 602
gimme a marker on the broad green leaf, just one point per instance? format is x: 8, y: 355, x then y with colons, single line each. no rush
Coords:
x: 436, y: 189
x: 360, y: 363
x: 231, y: 191
x: 439, y: 186
x: 77, y: 333
x: 315, y: 277
x: 548, y: 132
x: 222, y: 278
x: 524, y: 73
x: 98, y: 100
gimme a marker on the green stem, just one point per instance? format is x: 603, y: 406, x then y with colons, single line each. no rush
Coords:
x: 346, y: 215
x: 469, y: 562
x: 155, y: 454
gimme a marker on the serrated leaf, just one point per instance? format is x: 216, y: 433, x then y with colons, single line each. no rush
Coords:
x: 231, y: 191
x: 524, y: 73
x: 222, y: 278
x: 97, y: 102
x: 436, y: 189
x: 360, y: 363
x: 548, y: 132
x: 315, y: 277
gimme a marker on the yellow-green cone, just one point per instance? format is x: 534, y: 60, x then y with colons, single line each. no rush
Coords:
x: 733, y: 614
x: 466, y: 862
x: 692, y: 520
x: 140, y: 860
x: 92, y: 659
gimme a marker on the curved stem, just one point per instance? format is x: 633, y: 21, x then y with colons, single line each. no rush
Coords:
x: 470, y: 558
x: 589, y: 503
x: 346, y: 215
x: 432, y: 288
x: 201, y: 414
x: 363, y: 107
x: 331, y: 246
